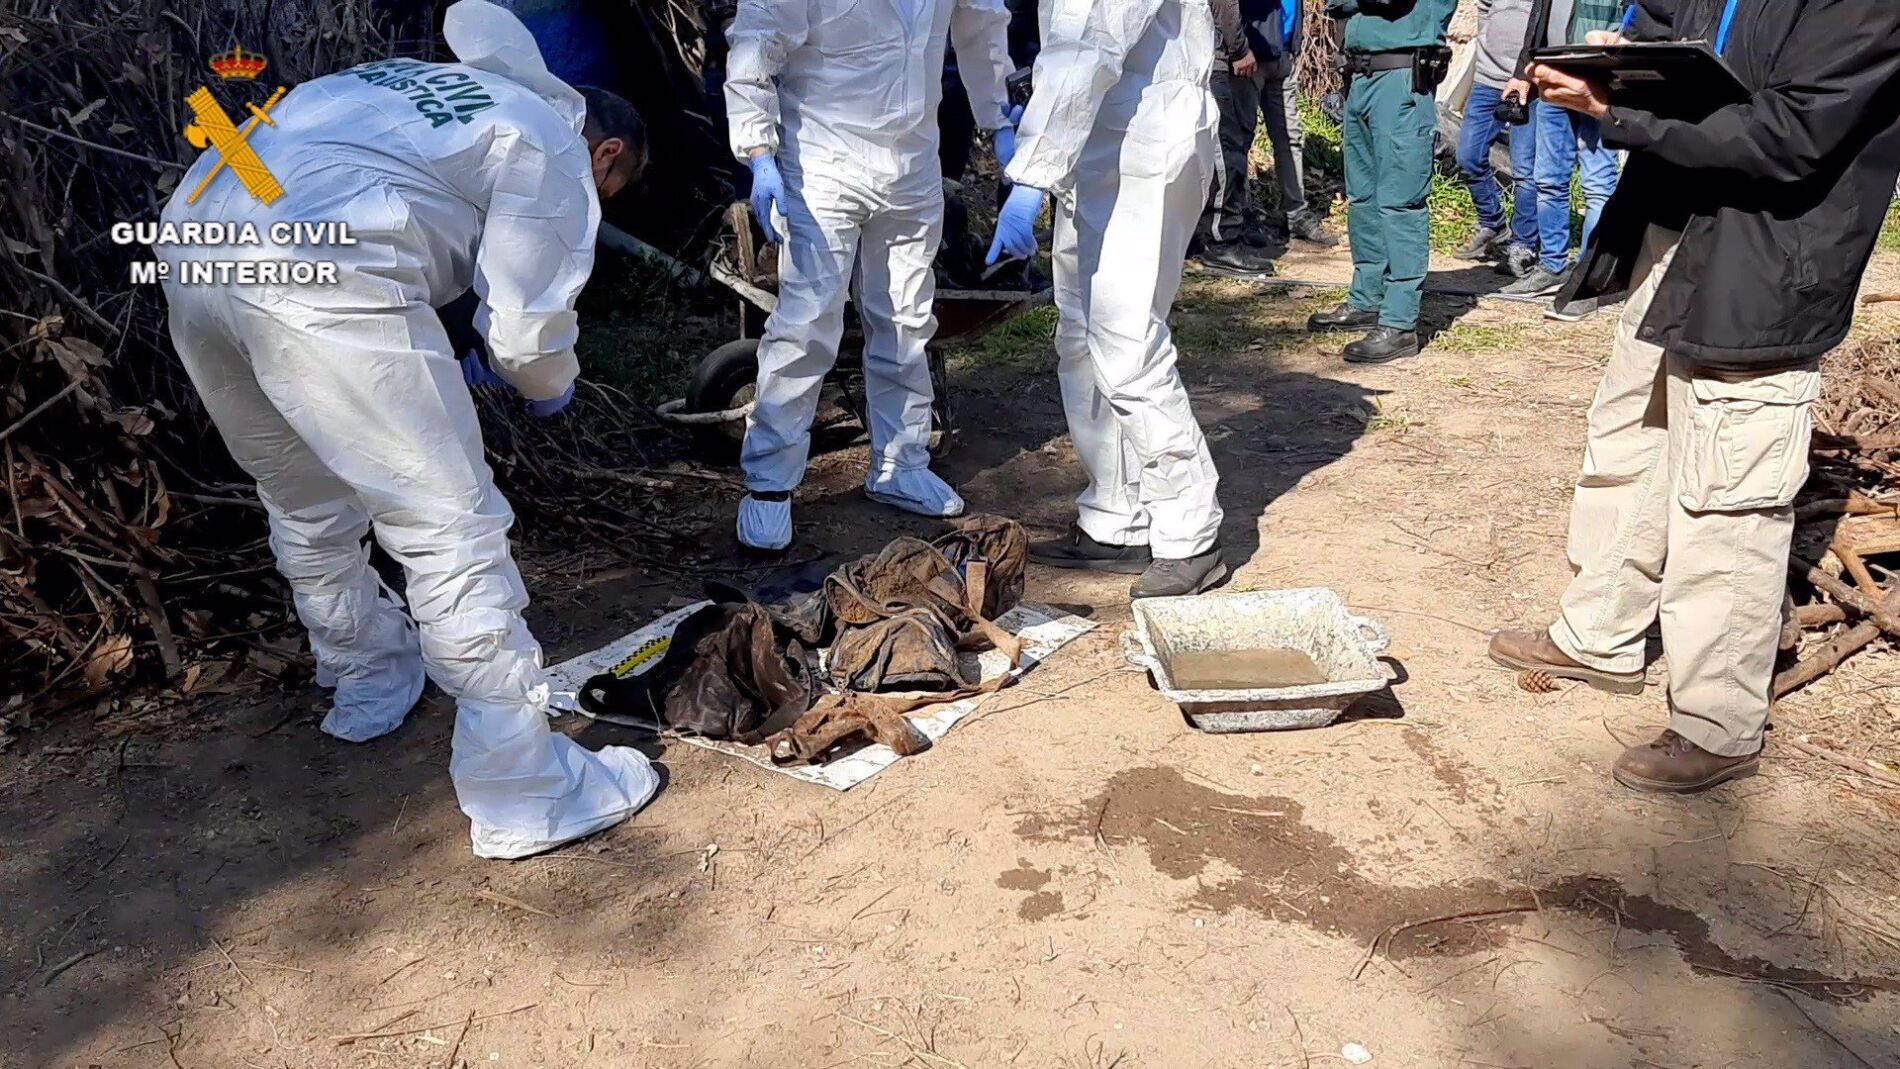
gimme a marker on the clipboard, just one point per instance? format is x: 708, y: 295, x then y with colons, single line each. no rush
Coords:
x: 1673, y: 79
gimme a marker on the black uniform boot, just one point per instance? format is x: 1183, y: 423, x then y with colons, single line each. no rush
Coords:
x: 1383, y: 345
x: 1235, y: 260
x: 1342, y: 317
x: 1080, y: 551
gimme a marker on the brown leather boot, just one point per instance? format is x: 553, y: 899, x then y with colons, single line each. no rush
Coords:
x: 1533, y: 651
x: 1673, y: 765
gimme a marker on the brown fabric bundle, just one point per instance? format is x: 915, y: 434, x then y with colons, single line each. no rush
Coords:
x: 726, y: 675
x: 912, y: 650
x: 840, y: 719
x: 895, y: 619
x: 1000, y: 543
x: 910, y: 573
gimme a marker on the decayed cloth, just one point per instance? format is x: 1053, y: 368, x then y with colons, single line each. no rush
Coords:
x: 895, y: 622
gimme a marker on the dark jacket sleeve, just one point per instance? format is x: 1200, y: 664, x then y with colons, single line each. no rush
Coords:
x: 1230, y: 41
x: 1840, y: 61
x: 1655, y: 21
x: 1536, y: 32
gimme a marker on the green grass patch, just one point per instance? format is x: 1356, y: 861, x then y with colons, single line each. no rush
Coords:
x: 1453, y: 215
x: 1397, y: 421
x: 1476, y: 339
x: 1890, y: 231
x: 1026, y: 341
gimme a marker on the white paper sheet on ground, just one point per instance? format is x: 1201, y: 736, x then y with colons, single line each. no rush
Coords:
x: 1043, y: 630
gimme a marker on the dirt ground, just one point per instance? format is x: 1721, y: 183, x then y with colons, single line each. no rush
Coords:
x: 1074, y: 878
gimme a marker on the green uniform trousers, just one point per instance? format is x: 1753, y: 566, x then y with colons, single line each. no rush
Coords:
x: 1388, y: 150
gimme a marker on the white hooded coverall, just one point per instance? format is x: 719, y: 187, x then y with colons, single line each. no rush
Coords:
x: 346, y: 405
x: 1122, y: 129
x: 845, y: 94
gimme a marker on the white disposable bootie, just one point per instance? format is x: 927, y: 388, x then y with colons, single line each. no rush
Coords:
x: 765, y: 524
x: 915, y: 490
x: 370, y: 705
x: 378, y: 680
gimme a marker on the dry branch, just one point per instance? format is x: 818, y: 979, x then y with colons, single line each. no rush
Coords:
x: 1849, y: 512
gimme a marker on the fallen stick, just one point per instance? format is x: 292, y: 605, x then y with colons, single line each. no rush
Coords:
x: 1857, y: 568
x: 459, y: 1036
x: 1846, y: 595
x: 502, y: 899
x: 1826, y: 659
x: 1402, y: 927
x: 53, y: 973
x: 1818, y: 1027
x: 161, y: 626
x: 37, y: 409
x: 1840, y: 648
x: 1790, y: 637
x: 1819, y: 615
x: 1859, y: 766
x: 357, y: 1037
x: 1860, y: 443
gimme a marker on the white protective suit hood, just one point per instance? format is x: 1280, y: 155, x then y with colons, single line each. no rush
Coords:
x: 449, y: 176
x: 490, y: 38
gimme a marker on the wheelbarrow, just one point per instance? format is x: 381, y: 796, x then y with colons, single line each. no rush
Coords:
x: 720, y: 395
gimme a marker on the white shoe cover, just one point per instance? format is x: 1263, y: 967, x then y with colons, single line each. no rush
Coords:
x: 372, y: 705
x: 915, y: 490
x: 374, y: 692
x: 599, y: 789
x: 765, y: 524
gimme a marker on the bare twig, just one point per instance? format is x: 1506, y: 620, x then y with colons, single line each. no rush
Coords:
x: 1857, y: 766
x: 516, y: 903
x: 165, y: 165
x: 1402, y: 927
x: 384, y: 1031
x: 39, y: 408
x: 1818, y: 1027
x: 449, y: 1063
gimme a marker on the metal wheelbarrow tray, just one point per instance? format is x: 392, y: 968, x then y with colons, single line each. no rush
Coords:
x: 1312, y: 621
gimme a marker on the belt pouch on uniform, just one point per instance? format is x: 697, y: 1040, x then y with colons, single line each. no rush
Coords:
x: 1429, y: 67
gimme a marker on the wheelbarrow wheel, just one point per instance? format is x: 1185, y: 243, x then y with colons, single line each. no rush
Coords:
x: 726, y: 378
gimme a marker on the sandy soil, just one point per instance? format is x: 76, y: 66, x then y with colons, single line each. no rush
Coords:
x: 1073, y: 879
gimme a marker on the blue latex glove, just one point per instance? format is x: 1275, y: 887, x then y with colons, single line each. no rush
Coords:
x: 1016, y: 224
x: 550, y: 408
x: 476, y: 372
x: 1005, y: 145
x: 768, y: 192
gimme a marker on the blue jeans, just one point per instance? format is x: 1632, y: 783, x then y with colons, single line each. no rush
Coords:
x: 1566, y: 142
x: 1480, y: 129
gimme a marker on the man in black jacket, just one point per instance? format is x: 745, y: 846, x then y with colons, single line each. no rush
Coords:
x: 1253, y: 73
x: 1740, y: 240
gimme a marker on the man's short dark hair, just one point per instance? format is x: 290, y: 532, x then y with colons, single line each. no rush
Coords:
x: 609, y: 115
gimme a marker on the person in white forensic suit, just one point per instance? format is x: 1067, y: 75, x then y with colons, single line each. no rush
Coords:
x: 1122, y: 130
x: 833, y: 105
x: 347, y: 405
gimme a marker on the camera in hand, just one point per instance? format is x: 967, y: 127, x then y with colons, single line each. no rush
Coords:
x: 1513, y: 111
x: 1019, y: 85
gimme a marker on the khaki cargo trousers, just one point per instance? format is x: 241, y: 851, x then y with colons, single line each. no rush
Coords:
x: 1684, y: 510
